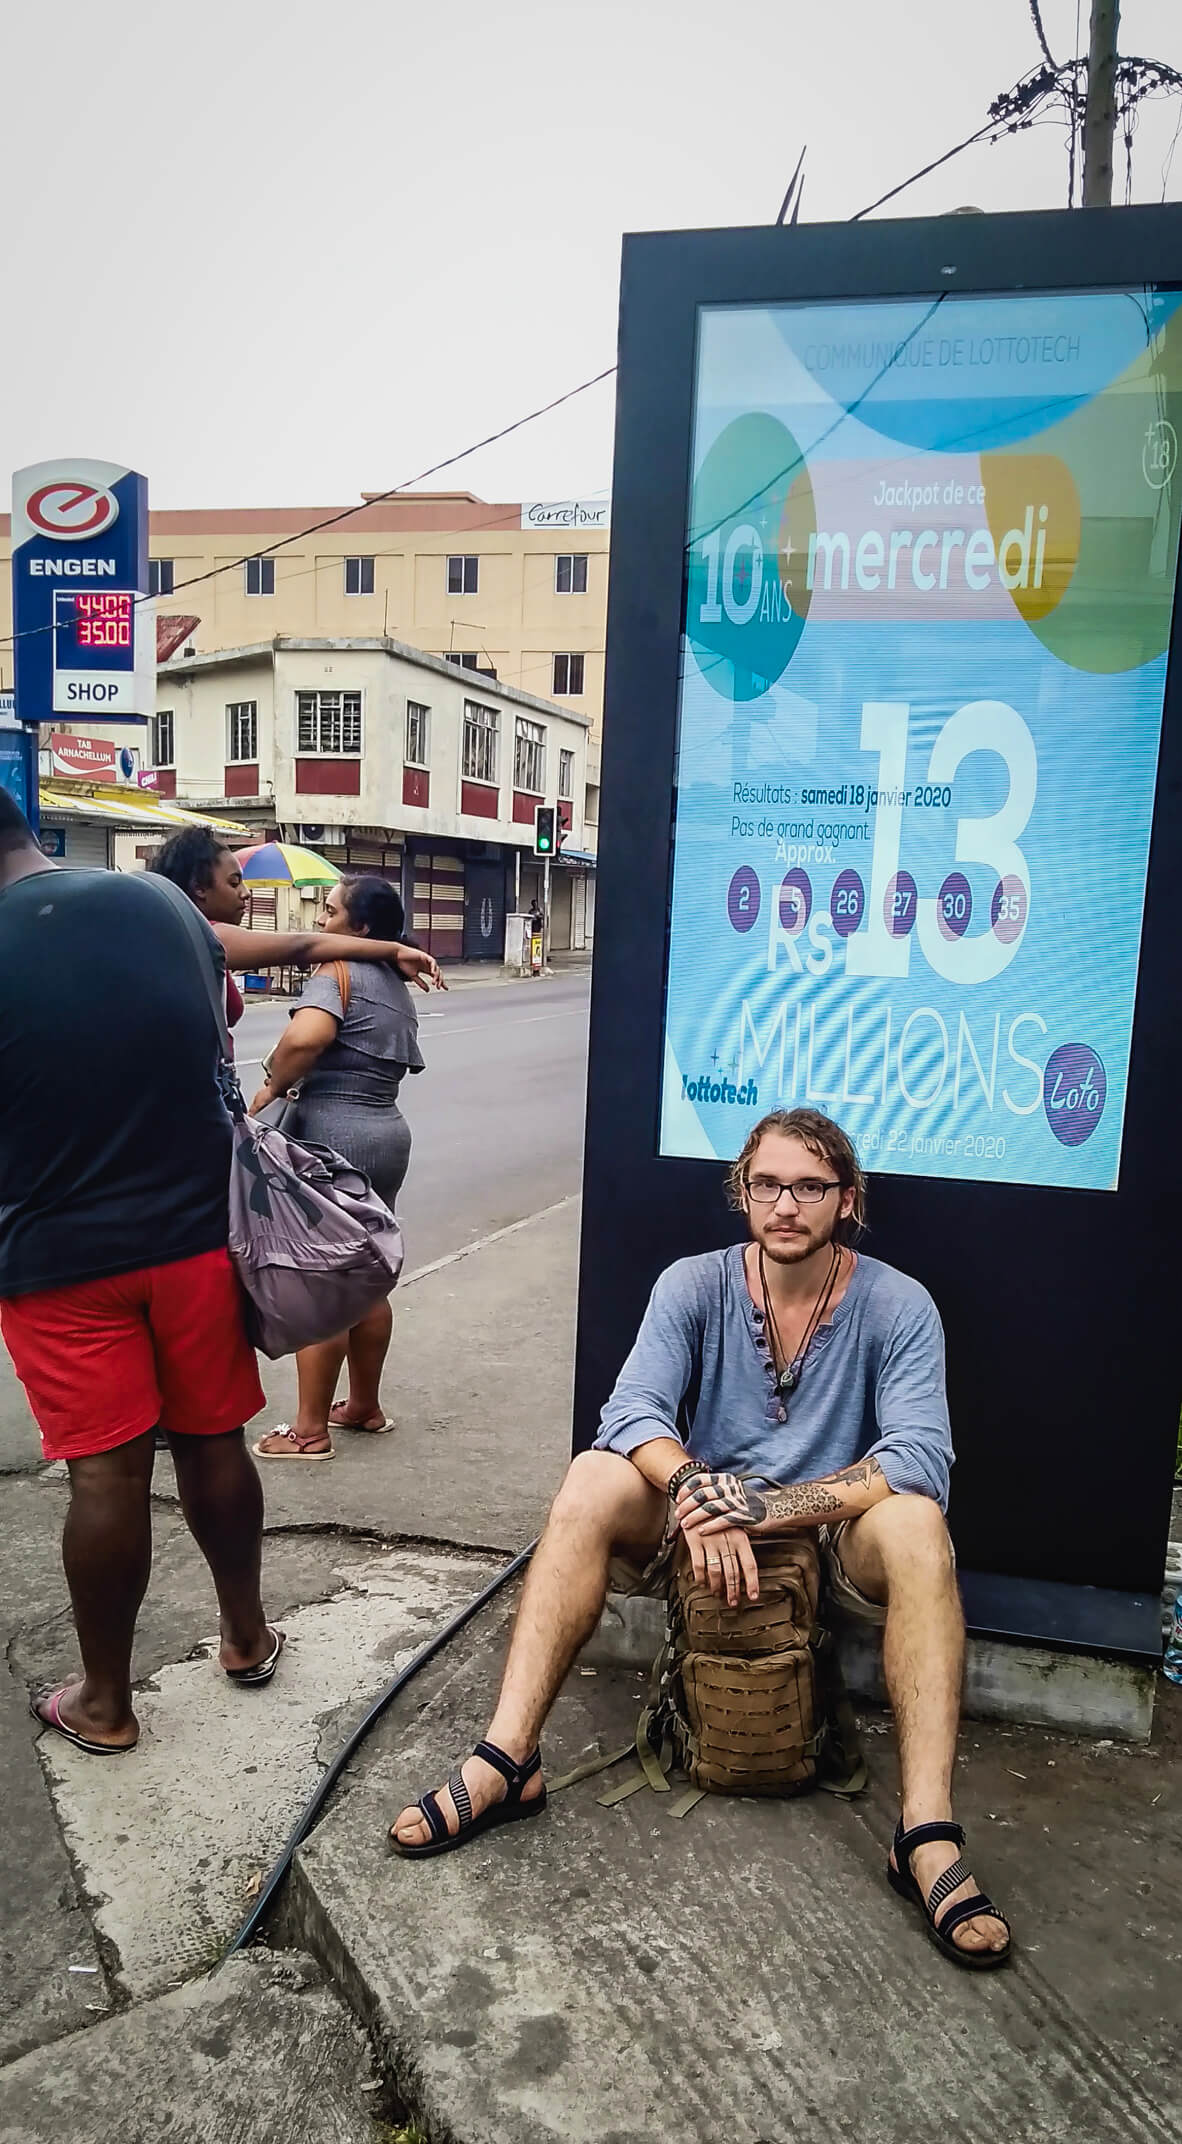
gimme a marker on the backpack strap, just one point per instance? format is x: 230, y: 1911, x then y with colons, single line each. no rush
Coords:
x: 211, y: 966
x: 589, y: 1769
x: 339, y: 971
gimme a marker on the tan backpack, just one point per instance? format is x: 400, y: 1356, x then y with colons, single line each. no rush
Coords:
x: 745, y: 1700
x: 738, y: 1689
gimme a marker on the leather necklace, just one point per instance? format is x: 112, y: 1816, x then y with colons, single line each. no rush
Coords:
x: 789, y: 1376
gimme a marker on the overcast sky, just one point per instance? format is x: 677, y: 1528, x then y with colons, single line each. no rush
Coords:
x: 283, y: 251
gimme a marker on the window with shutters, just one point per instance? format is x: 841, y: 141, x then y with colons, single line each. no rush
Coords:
x: 570, y: 574
x: 568, y: 675
x: 328, y: 724
x: 418, y: 734
x: 359, y: 576
x: 480, y: 743
x: 164, y: 738
x: 529, y: 757
x: 242, y: 732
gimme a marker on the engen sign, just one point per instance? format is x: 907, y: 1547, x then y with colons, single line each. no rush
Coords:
x: 85, y: 642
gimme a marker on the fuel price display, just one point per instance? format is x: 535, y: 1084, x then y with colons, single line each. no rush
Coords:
x: 94, y: 636
x: 103, y: 621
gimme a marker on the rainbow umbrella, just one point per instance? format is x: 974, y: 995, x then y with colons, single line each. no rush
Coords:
x: 283, y: 863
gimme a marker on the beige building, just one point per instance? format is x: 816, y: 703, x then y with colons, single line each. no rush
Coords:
x: 388, y: 760
x: 515, y: 591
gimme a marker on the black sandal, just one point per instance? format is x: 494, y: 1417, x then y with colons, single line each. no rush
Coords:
x: 509, y: 1810
x: 903, y: 1881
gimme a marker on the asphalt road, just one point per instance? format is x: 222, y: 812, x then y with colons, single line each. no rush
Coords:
x: 497, y: 1116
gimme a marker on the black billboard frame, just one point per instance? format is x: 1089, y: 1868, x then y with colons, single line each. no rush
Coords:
x: 1065, y: 1398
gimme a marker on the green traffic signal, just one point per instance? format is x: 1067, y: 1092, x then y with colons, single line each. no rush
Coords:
x: 544, y: 830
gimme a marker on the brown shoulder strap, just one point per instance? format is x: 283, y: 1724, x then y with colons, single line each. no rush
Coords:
x: 339, y: 970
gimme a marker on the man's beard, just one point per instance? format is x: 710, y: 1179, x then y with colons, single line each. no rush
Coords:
x: 792, y: 1250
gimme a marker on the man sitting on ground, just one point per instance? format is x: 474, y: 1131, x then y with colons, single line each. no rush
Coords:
x: 807, y: 1365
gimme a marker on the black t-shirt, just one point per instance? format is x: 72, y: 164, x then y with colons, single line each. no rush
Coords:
x: 114, y: 1144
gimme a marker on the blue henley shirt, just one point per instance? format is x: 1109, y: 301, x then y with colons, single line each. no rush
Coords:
x: 871, y: 1386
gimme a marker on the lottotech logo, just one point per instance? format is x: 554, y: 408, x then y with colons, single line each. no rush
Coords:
x: 70, y: 510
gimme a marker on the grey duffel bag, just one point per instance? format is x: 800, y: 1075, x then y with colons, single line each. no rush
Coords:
x: 313, y: 1245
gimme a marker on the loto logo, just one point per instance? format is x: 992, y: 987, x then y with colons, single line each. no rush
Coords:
x: 71, y: 510
x: 1074, y: 1091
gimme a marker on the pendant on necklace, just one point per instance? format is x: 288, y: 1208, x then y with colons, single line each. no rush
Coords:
x: 788, y: 1379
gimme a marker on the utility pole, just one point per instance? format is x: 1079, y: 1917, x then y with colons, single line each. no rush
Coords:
x: 1100, y: 112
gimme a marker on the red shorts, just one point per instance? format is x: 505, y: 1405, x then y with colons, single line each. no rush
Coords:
x: 105, y: 1360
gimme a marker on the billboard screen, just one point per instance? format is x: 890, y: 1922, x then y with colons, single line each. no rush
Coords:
x: 930, y: 569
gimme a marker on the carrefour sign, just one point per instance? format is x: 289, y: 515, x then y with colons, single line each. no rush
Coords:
x: 569, y: 514
x: 85, y: 638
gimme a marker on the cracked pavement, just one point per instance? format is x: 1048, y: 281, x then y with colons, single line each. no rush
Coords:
x: 120, y: 1881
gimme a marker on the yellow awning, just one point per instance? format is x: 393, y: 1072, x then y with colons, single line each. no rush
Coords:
x: 146, y: 810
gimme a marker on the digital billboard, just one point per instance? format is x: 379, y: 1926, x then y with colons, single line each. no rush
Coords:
x: 930, y: 565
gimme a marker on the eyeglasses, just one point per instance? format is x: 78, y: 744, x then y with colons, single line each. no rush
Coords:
x: 807, y: 1191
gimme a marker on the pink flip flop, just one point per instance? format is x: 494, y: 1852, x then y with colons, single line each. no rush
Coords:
x: 47, y: 1709
x: 338, y: 1420
x: 294, y: 1451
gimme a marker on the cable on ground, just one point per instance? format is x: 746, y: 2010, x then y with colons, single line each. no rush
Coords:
x: 314, y: 1806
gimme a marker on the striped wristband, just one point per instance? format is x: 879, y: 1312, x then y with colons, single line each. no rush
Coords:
x: 683, y: 1474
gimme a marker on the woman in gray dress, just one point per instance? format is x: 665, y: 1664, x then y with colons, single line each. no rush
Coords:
x: 349, y: 1045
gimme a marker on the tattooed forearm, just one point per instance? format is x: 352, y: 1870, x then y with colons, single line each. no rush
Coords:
x: 817, y: 1499
x: 807, y: 1501
x: 708, y: 1497
x: 862, y: 1476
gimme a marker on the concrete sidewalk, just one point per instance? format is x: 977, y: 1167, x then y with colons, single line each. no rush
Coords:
x: 460, y: 974
x: 120, y: 1880
x: 478, y: 1385
x: 603, y: 1975
x: 261, y: 2051
x: 614, y: 1974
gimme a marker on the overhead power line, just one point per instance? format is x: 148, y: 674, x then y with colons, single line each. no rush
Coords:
x: 1040, y: 33
x: 380, y: 498
x: 1049, y: 86
x: 329, y: 521
x: 990, y: 129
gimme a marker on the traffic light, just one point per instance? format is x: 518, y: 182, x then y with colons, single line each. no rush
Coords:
x: 545, y: 830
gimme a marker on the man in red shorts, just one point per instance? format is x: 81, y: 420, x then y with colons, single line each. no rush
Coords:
x: 118, y: 1303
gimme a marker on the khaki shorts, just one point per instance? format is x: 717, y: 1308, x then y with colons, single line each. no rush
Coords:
x: 653, y: 1580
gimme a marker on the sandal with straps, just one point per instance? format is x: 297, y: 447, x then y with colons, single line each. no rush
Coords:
x: 902, y: 1880
x: 510, y: 1810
